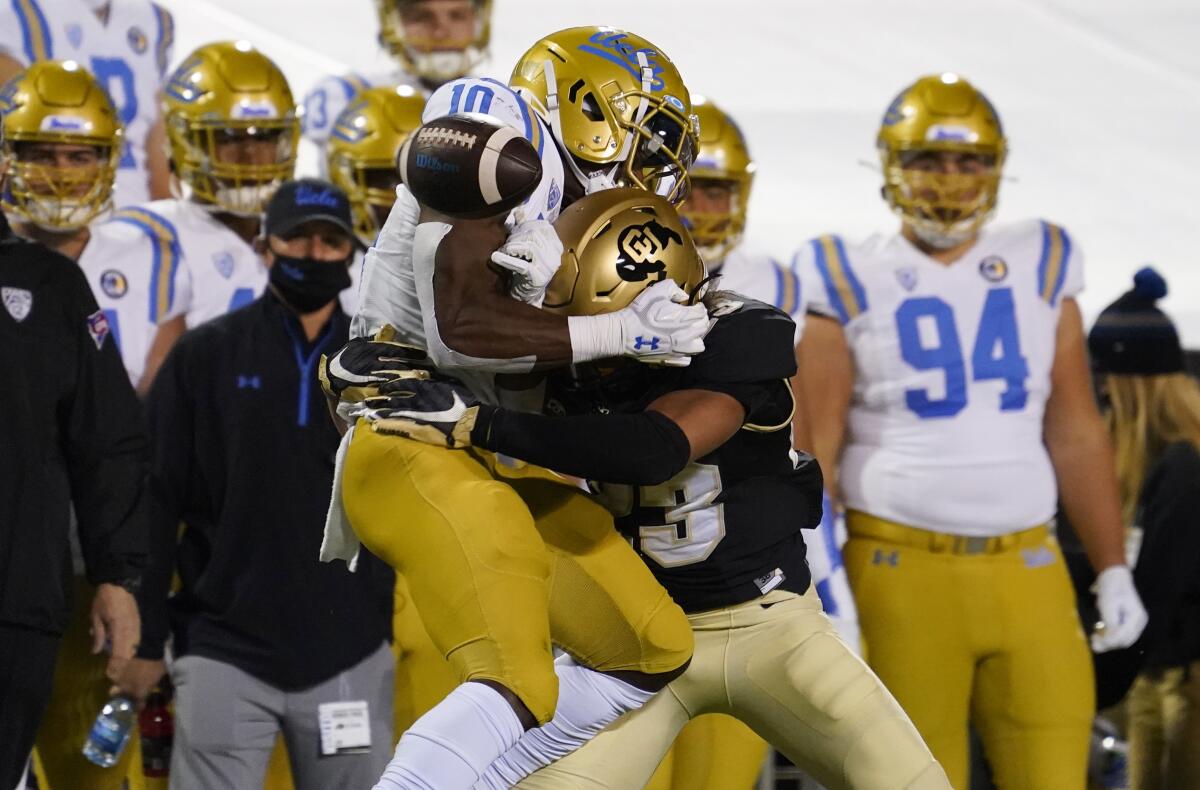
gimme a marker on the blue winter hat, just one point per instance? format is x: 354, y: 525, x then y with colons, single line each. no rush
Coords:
x: 1132, y: 336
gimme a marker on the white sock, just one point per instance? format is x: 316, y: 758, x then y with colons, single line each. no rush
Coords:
x: 450, y: 746
x: 588, y: 701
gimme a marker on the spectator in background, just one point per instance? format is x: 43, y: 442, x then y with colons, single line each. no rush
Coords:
x: 71, y: 433
x: 1153, y: 411
x: 265, y: 635
x: 127, y: 45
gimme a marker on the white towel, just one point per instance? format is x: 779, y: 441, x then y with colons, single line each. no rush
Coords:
x: 340, y: 542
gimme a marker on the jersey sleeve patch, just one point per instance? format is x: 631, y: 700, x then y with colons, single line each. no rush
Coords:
x: 166, y: 39
x: 167, y: 253
x: 35, y: 31
x: 846, y: 294
x: 1052, y: 266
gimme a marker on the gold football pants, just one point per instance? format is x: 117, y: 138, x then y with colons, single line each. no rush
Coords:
x: 500, y: 560
x: 777, y: 664
x: 712, y: 752
x: 979, y: 629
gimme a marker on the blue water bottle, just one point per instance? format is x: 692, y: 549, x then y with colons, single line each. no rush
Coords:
x: 110, y: 732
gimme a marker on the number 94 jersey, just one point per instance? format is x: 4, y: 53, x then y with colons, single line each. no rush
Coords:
x: 727, y: 528
x: 952, y: 372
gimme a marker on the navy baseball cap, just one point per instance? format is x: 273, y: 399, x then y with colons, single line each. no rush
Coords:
x: 307, y: 200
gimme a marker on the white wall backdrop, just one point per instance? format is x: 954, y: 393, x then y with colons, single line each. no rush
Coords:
x: 1100, y: 99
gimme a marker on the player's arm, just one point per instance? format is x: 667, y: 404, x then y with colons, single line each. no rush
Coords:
x: 1082, y: 455
x: 825, y: 383
x: 157, y: 168
x: 165, y: 336
x: 9, y: 68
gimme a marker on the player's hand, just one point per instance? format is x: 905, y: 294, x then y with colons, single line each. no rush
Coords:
x: 436, y: 411
x: 532, y: 253
x: 1122, y: 616
x: 355, y: 373
x: 660, y: 327
x: 116, y: 625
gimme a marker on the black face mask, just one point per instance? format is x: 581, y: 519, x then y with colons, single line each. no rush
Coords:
x: 308, y: 284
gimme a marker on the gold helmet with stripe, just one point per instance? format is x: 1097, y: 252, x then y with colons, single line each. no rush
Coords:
x: 231, y: 126
x: 616, y: 104
x: 57, y: 103
x: 942, y: 148
x: 362, y: 151
x: 435, y: 56
x: 617, y: 243
x: 723, y: 162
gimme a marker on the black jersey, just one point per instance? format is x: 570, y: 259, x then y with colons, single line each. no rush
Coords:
x: 727, y: 528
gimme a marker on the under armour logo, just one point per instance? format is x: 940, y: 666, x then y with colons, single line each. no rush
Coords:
x: 640, y: 342
x: 890, y: 557
x: 249, y: 382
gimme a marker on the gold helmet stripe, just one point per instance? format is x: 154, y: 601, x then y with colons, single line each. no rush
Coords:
x: 164, y: 241
x: 846, y: 293
x: 1052, y: 268
x: 34, y: 31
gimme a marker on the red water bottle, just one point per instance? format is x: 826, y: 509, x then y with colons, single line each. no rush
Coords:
x: 157, y: 731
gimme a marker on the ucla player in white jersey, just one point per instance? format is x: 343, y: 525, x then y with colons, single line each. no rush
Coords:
x: 947, y: 384
x: 429, y: 43
x: 126, y: 45
x: 61, y: 141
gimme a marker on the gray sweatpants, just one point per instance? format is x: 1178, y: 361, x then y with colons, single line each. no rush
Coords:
x: 226, y: 722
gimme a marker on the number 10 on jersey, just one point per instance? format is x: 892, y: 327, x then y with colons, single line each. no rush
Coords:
x: 996, y: 354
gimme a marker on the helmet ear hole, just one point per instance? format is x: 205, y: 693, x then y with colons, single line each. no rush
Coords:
x: 591, y: 109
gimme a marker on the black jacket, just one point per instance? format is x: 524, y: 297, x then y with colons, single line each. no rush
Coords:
x: 70, y: 430
x: 243, y: 450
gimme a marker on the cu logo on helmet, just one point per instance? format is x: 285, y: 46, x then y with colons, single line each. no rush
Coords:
x: 640, y: 248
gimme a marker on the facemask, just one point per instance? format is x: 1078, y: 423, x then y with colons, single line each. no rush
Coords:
x: 308, y: 284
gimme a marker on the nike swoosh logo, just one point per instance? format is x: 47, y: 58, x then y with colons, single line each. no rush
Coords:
x: 452, y: 414
x: 335, y: 367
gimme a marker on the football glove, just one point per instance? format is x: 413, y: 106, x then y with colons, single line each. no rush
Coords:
x: 660, y: 327
x: 354, y: 373
x: 437, y: 411
x: 1122, y: 616
x: 532, y: 254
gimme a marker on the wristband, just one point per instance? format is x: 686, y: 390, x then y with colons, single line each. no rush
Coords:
x: 595, y: 337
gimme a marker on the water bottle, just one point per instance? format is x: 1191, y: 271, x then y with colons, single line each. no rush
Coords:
x: 157, y: 730
x: 110, y: 732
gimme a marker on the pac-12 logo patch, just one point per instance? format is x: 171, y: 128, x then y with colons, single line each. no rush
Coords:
x: 993, y: 268
x: 639, y: 248
x: 137, y: 40
x: 18, y: 302
x: 114, y: 284
x: 74, y: 35
x: 224, y: 263
x: 907, y: 277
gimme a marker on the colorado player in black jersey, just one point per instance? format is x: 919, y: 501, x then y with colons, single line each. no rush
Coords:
x: 697, y: 467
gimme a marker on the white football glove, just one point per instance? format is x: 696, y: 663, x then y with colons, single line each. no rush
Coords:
x: 660, y: 327
x: 1122, y: 616
x: 533, y: 254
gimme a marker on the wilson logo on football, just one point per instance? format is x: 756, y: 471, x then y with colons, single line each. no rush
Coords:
x: 640, y: 247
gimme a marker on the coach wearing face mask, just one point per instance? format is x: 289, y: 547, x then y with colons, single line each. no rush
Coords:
x: 266, y: 637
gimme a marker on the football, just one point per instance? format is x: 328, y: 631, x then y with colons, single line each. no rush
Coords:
x: 469, y: 166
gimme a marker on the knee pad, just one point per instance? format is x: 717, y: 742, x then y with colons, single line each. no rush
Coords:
x: 666, y: 639
x: 527, y: 674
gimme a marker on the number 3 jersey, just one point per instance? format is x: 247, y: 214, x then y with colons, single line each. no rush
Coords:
x: 952, y: 372
x: 727, y: 528
x: 128, y: 56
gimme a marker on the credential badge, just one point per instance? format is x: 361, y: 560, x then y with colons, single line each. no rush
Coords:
x: 18, y: 302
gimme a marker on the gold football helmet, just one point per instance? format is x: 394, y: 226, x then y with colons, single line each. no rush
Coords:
x: 942, y: 113
x: 363, y: 146
x: 617, y: 243
x: 57, y: 102
x: 723, y: 157
x: 615, y: 103
x: 228, y: 94
x: 432, y: 60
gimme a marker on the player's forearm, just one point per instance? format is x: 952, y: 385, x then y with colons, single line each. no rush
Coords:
x: 1087, y: 486
x: 646, y: 448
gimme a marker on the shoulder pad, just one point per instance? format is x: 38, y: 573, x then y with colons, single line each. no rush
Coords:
x: 751, y: 341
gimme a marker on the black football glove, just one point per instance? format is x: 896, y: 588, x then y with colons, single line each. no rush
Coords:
x: 437, y: 411
x: 355, y: 373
